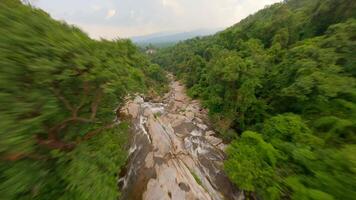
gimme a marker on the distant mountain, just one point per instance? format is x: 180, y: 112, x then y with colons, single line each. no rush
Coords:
x: 172, y: 37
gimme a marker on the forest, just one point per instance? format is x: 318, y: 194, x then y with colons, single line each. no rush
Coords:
x: 280, y: 87
x: 60, y: 135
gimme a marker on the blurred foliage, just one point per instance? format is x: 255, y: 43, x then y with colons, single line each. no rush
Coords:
x: 59, y: 91
x: 281, y: 84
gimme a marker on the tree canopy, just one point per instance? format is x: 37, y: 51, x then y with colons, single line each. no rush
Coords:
x: 280, y: 85
x: 60, y: 137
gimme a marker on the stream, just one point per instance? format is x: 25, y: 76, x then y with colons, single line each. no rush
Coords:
x: 174, y: 154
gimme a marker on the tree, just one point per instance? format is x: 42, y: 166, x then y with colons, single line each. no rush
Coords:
x: 58, y: 89
x: 287, y: 72
x: 251, y: 165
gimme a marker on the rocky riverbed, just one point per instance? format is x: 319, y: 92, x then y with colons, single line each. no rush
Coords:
x: 173, y: 153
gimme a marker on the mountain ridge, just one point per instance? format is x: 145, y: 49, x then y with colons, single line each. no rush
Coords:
x: 173, y: 36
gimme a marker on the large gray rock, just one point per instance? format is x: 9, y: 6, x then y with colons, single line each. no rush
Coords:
x: 160, y: 141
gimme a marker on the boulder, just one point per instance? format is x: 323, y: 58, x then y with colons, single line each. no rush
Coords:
x: 202, y: 126
x: 209, y: 133
x: 213, y: 140
x: 133, y: 109
x: 189, y: 115
x: 138, y: 100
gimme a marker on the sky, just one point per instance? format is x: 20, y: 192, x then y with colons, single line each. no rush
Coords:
x: 111, y: 19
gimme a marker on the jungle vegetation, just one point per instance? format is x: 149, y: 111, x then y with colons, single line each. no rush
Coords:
x: 280, y: 86
x: 60, y: 137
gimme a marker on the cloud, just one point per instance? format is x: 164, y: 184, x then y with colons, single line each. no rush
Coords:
x: 138, y: 17
x: 174, y: 6
x: 110, y: 13
x: 96, y: 7
x: 112, y: 32
x: 132, y: 13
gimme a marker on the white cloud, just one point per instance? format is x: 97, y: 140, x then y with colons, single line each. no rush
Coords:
x: 139, y: 17
x: 132, y: 13
x: 112, y: 32
x: 176, y: 7
x: 95, y: 7
x: 110, y: 13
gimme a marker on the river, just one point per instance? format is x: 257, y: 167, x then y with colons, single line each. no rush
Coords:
x: 174, y: 154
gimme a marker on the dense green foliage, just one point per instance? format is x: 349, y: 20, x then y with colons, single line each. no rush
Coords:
x: 282, y: 85
x: 59, y: 91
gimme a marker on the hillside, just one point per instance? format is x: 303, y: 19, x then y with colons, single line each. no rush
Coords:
x: 60, y: 137
x: 280, y: 87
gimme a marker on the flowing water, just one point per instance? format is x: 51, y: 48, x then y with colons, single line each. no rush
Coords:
x: 173, y: 153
